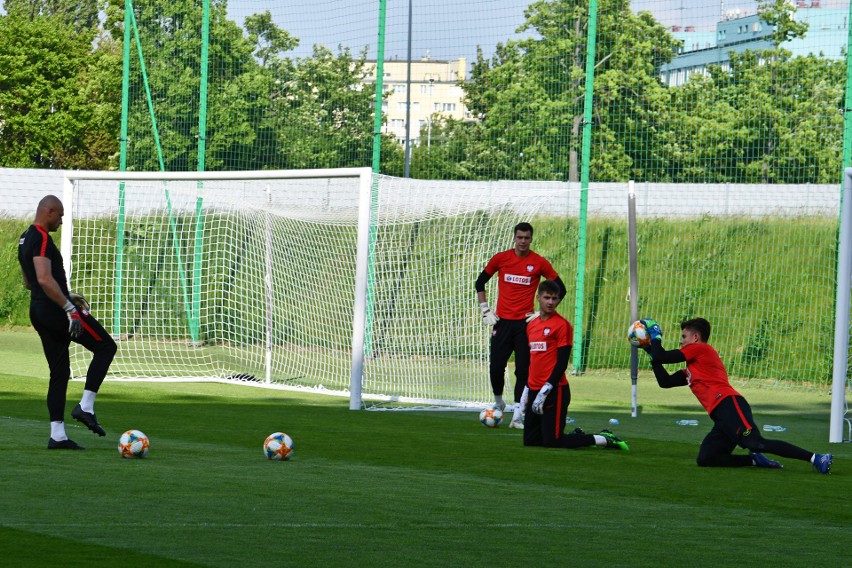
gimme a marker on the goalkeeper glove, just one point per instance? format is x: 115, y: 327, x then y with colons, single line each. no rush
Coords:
x: 81, y: 302
x: 538, y: 403
x: 75, y: 324
x: 531, y: 316
x: 524, y: 398
x: 488, y: 316
x: 654, y: 331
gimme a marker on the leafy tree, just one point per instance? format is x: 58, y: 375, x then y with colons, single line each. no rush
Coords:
x: 55, y: 111
x: 529, y: 96
x: 81, y: 15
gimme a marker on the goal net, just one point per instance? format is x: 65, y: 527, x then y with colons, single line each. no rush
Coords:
x: 337, y: 281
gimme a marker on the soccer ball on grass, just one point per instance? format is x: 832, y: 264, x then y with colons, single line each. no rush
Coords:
x: 133, y: 444
x: 491, y: 417
x: 637, y: 335
x: 278, y: 447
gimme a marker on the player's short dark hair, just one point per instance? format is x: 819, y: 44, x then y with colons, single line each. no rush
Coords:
x: 549, y: 286
x: 523, y: 226
x: 700, y: 326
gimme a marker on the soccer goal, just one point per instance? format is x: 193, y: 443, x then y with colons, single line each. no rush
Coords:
x: 336, y: 281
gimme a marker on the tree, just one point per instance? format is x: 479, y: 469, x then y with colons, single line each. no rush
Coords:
x: 81, y: 15
x: 529, y: 96
x: 54, y: 109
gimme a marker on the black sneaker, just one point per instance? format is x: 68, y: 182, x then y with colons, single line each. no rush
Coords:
x: 63, y: 445
x: 89, y: 419
x: 578, y: 431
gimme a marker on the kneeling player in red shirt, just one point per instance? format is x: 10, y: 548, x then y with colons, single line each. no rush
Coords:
x: 550, y: 339
x: 733, y: 424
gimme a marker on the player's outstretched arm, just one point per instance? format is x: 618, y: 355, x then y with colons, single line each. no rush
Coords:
x: 660, y: 355
x: 666, y: 380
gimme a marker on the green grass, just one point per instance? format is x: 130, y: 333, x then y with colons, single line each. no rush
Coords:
x: 401, y: 488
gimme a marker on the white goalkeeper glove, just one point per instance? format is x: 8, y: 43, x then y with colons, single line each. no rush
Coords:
x: 531, y: 316
x: 488, y: 316
x: 538, y: 403
x: 524, y: 398
x: 75, y: 324
x: 80, y: 301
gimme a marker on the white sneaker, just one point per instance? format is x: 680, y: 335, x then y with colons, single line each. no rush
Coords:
x: 518, y: 424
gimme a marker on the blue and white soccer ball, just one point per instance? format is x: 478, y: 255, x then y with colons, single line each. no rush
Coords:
x: 278, y: 447
x: 491, y: 417
x: 133, y: 444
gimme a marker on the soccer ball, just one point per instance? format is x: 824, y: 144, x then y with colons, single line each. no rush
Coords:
x: 133, y: 444
x: 637, y: 334
x: 278, y: 447
x: 491, y: 417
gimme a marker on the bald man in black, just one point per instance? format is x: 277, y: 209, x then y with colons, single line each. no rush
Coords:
x: 58, y: 321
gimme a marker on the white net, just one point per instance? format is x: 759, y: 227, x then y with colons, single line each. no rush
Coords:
x: 249, y: 279
x: 254, y: 280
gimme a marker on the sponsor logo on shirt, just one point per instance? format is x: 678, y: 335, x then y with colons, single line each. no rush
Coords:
x: 538, y: 346
x: 516, y: 279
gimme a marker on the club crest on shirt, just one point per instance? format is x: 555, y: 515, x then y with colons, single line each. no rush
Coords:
x: 538, y: 346
x: 530, y: 268
x: 546, y: 331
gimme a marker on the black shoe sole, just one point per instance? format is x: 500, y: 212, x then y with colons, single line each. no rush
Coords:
x: 91, y: 423
x: 63, y: 445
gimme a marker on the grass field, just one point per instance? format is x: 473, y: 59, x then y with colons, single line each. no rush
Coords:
x: 401, y: 488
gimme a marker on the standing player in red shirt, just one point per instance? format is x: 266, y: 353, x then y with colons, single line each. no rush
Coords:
x: 519, y: 270
x: 550, y: 339
x: 733, y: 424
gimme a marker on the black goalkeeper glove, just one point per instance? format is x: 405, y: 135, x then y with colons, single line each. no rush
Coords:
x: 75, y: 323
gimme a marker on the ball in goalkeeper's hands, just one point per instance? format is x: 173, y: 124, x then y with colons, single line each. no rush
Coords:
x: 637, y: 334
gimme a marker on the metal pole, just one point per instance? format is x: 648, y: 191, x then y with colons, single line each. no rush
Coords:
x: 634, y: 291
x: 407, y: 168
x: 841, y: 319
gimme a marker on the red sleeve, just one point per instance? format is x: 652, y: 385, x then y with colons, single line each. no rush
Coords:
x: 547, y: 270
x: 493, y: 265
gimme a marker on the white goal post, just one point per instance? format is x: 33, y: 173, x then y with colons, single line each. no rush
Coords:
x: 336, y: 281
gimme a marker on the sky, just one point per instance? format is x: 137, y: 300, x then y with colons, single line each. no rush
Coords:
x: 449, y: 29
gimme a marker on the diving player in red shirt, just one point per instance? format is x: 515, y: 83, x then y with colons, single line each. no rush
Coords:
x: 733, y: 424
x: 519, y: 270
x: 550, y: 339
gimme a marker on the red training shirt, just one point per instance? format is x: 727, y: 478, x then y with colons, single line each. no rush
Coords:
x: 706, y: 375
x: 518, y: 281
x: 545, y: 337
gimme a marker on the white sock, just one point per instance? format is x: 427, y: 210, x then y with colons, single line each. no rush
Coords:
x: 813, y: 458
x: 87, y: 403
x: 57, y: 431
x: 519, y: 414
x: 599, y: 440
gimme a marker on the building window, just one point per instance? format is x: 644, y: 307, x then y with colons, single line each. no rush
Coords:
x: 426, y: 90
x: 397, y: 123
x: 449, y: 107
x: 401, y: 106
x: 415, y: 107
